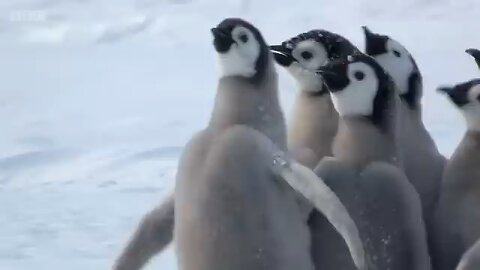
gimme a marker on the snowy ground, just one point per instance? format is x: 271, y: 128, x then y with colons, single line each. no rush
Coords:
x: 97, y: 99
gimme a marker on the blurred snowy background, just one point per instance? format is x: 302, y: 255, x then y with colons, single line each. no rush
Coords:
x: 98, y: 97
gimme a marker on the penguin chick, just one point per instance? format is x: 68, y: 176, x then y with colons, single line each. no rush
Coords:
x: 314, y: 121
x: 457, y: 219
x: 365, y: 175
x: 471, y: 259
x: 303, y: 54
x: 476, y: 54
x: 422, y: 162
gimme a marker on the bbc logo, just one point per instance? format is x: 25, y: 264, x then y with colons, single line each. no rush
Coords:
x: 27, y: 16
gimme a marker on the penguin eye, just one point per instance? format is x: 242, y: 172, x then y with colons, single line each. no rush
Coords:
x: 397, y: 53
x: 243, y: 37
x: 359, y: 75
x: 307, y: 55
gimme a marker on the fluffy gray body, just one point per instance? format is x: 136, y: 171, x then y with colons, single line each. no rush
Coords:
x: 457, y: 221
x: 384, y: 205
x: 313, y: 126
x: 421, y: 160
x: 471, y: 258
x: 231, y: 212
x: 364, y: 173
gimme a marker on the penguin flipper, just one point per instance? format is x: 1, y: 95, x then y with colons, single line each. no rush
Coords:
x: 313, y: 188
x: 154, y: 233
x: 471, y: 259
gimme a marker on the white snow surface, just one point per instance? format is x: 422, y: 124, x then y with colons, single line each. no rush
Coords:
x: 98, y: 98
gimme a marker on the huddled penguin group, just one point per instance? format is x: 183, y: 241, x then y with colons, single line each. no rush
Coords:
x: 354, y: 182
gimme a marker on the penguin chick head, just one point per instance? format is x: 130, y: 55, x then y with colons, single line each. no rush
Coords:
x: 466, y: 97
x: 303, y: 54
x: 241, y: 49
x: 476, y: 54
x: 359, y: 86
x: 397, y: 61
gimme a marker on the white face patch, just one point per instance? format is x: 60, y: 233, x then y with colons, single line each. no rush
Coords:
x: 396, y: 61
x: 357, y: 98
x: 242, y: 56
x: 471, y: 111
x: 307, y: 80
x: 310, y: 55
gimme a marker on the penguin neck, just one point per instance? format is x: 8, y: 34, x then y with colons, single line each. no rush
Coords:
x: 241, y: 101
x: 414, y: 113
x: 472, y: 139
x: 413, y: 94
x: 314, y: 123
x: 412, y: 104
x: 473, y: 123
x: 360, y: 141
x: 463, y: 161
x: 411, y: 119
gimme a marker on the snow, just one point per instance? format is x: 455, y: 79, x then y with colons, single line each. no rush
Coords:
x: 97, y: 99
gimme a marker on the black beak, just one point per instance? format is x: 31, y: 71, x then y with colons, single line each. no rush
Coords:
x: 367, y: 31
x: 282, y: 55
x: 219, y: 33
x: 222, y: 39
x: 457, y: 94
x: 476, y: 54
x: 370, y: 37
x: 375, y: 44
x: 445, y: 90
x: 334, y: 77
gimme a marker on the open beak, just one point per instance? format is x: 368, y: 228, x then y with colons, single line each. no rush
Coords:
x: 282, y: 55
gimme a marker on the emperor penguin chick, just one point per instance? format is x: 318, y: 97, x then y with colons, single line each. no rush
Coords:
x: 233, y: 209
x: 471, y: 258
x: 364, y: 173
x: 457, y: 217
x: 314, y: 121
x: 476, y: 54
x: 422, y: 162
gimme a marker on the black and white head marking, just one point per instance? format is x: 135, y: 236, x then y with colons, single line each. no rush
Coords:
x: 359, y: 86
x: 466, y: 97
x: 476, y: 54
x: 303, y: 54
x: 242, y: 51
x: 399, y: 63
